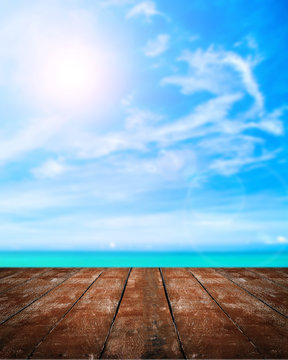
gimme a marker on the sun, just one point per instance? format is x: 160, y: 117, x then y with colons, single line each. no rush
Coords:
x: 71, y: 75
x: 75, y: 76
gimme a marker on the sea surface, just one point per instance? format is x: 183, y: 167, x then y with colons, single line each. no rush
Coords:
x: 142, y: 259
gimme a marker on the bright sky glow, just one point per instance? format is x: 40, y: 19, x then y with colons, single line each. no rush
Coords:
x: 143, y: 125
x: 73, y: 76
x: 70, y: 75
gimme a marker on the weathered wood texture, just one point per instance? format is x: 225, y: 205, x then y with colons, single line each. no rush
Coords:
x: 82, y: 332
x: 143, y: 313
x: 205, y: 330
x: 22, y: 334
x: 17, y: 278
x: 17, y: 298
x: 266, y: 329
x: 261, y: 288
x: 143, y: 327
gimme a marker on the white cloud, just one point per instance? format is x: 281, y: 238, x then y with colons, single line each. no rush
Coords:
x: 166, y: 165
x: 34, y: 135
x: 233, y: 165
x: 139, y: 118
x: 157, y: 46
x: 27, y: 201
x: 192, y: 231
x: 169, y: 162
x: 248, y: 41
x: 244, y: 68
x: 146, y: 127
x: 214, y: 71
x: 144, y: 8
x: 198, y: 122
x: 224, y: 74
x: 116, y: 2
x: 272, y: 123
x: 50, y: 169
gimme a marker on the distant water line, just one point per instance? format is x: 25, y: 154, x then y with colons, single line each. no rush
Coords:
x: 142, y: 259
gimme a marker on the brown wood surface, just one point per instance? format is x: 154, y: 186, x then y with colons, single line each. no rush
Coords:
x: 197, y: 317
x: 261, y: 288
x: 277, y: 276
x: 143, y: 313
x: 82, y: 333
x: 19, y: 277
x: 17, y: 298
x: 143, y: 327
x: 21, y: 335
x: 4, y: 272
x: 267, y: 329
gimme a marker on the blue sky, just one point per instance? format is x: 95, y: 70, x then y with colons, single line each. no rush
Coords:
x: 143, y: 125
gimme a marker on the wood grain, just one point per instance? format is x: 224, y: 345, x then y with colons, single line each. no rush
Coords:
x: 277, y: 276
x: 82, y: 333
x: 4, y: 272
x: 56, y: 313
x: 17, y: 298
x: 205, y: 330
x: 19, y: 277
x: 21, y: 334
x: 261, y: 288
x: 143, y: 328
x: 267, y: 329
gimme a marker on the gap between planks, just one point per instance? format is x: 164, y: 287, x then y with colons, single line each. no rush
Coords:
x: 63, y: 316
x: 23, y: 282
x: 250, y: 293
x: 172, y: 315
x: 262, y: 276
x: 115, y: 314
x: 39, y: 297
x: 227, y: 314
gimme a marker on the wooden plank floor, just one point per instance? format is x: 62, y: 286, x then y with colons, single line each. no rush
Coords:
x: 148, y: 313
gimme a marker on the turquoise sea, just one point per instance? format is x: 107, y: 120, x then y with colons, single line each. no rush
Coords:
x: 142, y: 259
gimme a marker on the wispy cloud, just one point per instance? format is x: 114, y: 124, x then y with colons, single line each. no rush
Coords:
x: 157, y: 46
x: 191, y: 232
x: 116, y: 151
x: 35, y: 134
x: 139, y: 118
x: 117, y: 2
x: 214, y: 71
x: 144, y: 8
x: 233, y: 165
x: 248, y: 41
x: 50, y: 169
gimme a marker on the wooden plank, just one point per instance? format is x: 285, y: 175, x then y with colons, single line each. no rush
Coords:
x: 143, y: 328
x: 277, y: 276
x: 283, y: 270
x: 82, y: 333
x: 20, y: 335
x: 4, y: 272
x: 267, y: 329
x: 205, y: 330
x: 16, y: 299
x: 263, y: 289
x: 20, y: 277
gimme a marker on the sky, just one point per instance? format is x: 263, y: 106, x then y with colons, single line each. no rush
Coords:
x: 144, y: 125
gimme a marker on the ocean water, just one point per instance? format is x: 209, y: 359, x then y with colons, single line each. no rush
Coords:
x: 142, y: 259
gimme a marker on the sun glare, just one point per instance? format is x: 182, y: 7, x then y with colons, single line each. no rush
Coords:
x: 73, y: 74
x: 76, y: 76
